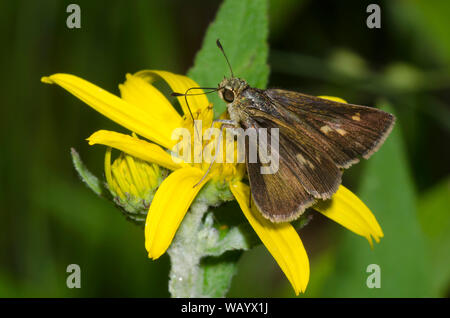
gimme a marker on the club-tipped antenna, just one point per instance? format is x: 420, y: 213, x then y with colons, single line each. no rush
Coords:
x: 219, y: 45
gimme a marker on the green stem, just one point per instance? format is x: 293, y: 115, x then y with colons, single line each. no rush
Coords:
x: 202, y: 264
x: 185, y: 255
x: 204, y: 259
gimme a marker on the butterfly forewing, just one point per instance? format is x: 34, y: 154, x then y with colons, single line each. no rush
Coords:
x: 346, y: 131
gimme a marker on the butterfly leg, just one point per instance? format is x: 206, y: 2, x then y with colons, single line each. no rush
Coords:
x: 225, y: 123
x: 228, y: 122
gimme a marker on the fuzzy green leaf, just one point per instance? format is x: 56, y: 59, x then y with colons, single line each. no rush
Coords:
x: 242, y: 27
x: 217, y: 273
x: 85, y: 175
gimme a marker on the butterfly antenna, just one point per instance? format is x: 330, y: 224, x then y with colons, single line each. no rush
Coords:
x: 219, y: 45
x: 187, y: 104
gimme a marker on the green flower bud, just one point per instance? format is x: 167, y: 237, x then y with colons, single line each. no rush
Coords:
x: 132, y: 183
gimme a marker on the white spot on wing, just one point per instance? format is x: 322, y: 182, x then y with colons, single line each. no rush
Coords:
x: 356, y: 117
x: 325, y: 129
x: 304, y: 161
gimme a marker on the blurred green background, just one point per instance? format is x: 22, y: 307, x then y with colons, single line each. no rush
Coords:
x: 49, y: 219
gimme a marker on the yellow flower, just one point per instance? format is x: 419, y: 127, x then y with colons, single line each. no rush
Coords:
x: 145, y: 111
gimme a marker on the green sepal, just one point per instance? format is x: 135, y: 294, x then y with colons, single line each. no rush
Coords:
x: 86, y: 176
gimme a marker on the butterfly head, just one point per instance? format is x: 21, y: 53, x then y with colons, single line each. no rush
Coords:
x: 230, y: 88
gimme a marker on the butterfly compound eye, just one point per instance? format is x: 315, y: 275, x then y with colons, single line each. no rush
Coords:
x: 228, y: 95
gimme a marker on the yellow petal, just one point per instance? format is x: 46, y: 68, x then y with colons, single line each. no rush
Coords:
x: 135, y: 147
x: 349, y: 211
x: 140, y: 92
x: 169, y: 206
x: 179, y: 84
x: 108, y: 174
x: 333, y: 98
x: 122, y: 112
x: 280, y: 239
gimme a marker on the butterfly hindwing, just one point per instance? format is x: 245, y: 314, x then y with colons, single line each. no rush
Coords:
x: 314, y: 168
x: 279, y: 196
